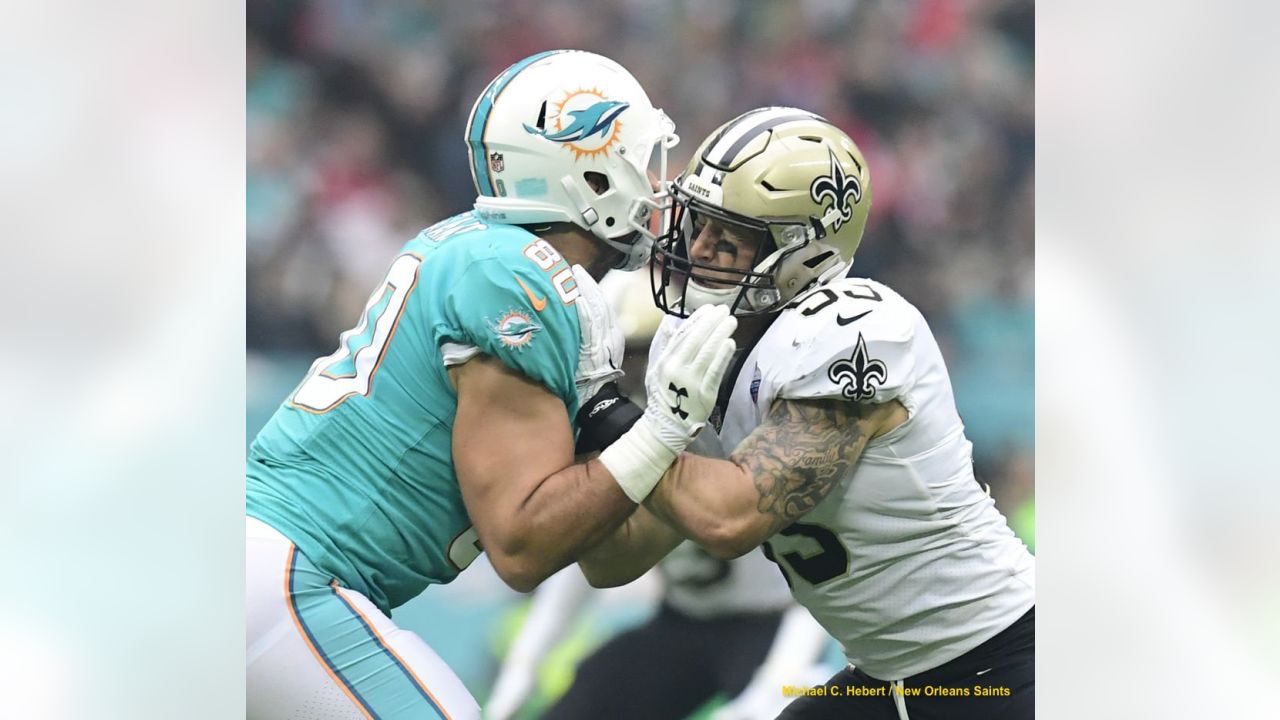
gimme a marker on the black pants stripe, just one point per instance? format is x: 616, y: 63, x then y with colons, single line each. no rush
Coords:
x: 994, y: 681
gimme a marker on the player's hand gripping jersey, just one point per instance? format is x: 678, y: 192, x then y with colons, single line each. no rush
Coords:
x: 356, y: 467
x: 906, y: 562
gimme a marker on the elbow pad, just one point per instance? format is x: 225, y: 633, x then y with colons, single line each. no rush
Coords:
x: 604, y: 418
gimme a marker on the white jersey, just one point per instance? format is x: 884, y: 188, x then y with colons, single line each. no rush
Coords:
x: 907, y: 562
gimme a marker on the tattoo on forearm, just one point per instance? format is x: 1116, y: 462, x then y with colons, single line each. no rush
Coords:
x: 800, y: 452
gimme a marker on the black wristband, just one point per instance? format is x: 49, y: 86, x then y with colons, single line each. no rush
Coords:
x: 604, y: 418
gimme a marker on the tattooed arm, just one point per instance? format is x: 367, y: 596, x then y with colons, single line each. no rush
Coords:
x: 781, y: 471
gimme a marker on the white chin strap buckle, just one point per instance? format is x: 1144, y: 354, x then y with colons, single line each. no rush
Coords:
x: 589, y: 214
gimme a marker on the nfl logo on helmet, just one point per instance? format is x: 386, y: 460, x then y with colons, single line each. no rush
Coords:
x: 496, y: 163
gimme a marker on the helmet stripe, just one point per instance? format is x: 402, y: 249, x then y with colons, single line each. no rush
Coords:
x: 739, y: 123
x: 479, y: 121
x: 733, y: 146
x: 728, y: 135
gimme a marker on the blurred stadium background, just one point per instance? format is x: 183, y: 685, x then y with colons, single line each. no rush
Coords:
x: 355, y: 121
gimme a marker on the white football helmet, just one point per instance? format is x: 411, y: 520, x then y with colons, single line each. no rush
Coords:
x: 546, y: 122
x: 791, y: 185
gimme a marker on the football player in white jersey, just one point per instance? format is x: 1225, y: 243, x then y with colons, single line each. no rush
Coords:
x: 850, y: 464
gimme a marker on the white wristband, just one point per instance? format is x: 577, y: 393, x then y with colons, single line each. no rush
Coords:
x: 637, y: 460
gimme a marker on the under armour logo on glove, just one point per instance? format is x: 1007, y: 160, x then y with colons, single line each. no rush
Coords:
x: 681, y: 394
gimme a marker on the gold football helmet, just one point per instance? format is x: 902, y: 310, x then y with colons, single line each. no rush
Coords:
x: 786, y: 195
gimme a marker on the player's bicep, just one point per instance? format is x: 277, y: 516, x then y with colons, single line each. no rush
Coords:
x: 506, y: 310
x: 800, y: 452
x: 509, y: 434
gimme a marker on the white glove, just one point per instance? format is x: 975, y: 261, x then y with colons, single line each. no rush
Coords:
x: 657, y: 350
x: 684, y: 382
x: 602, y: 346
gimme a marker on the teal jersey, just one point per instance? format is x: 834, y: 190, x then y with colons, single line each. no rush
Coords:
x: 356, y: 466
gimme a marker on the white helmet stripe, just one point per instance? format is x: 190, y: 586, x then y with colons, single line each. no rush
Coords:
x: 736, y: 130
x: 707, y: 174
x: 702, y: 165
x: 748, y: 127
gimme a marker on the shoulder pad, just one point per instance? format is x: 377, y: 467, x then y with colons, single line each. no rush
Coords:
x: 851, y: 338
x: 515, y: 302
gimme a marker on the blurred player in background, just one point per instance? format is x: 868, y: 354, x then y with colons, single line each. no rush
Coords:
x: 443, y: 425
x: 850, y: 462
x: 725, y: 628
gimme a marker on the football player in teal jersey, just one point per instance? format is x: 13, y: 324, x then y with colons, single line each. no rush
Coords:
x: 444, y: 424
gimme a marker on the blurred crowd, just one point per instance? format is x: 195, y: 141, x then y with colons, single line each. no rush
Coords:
x: 356, y: 111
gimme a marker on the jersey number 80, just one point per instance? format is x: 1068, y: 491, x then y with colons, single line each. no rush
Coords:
x: 350, y: 369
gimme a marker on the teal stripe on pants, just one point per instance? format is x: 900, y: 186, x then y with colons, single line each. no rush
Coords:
x: 346, y: 643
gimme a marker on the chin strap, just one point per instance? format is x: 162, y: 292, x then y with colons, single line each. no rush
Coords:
x: 695, y: 296
x: 831, y: 272
x: 634, y: 254
x: 588, y: 213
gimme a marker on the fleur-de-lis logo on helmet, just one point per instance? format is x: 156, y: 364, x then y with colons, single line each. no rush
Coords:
x: 842, y: 190
x: 859, y: 375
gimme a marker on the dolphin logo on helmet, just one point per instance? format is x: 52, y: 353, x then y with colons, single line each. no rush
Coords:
x: 593, y: 120
x: 599, y: 121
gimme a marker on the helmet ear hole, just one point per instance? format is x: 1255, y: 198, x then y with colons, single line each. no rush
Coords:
x: 608, y: 222
x: 598, y: 182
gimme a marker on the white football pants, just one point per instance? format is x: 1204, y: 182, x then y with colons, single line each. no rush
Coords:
x: 317, y: 651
